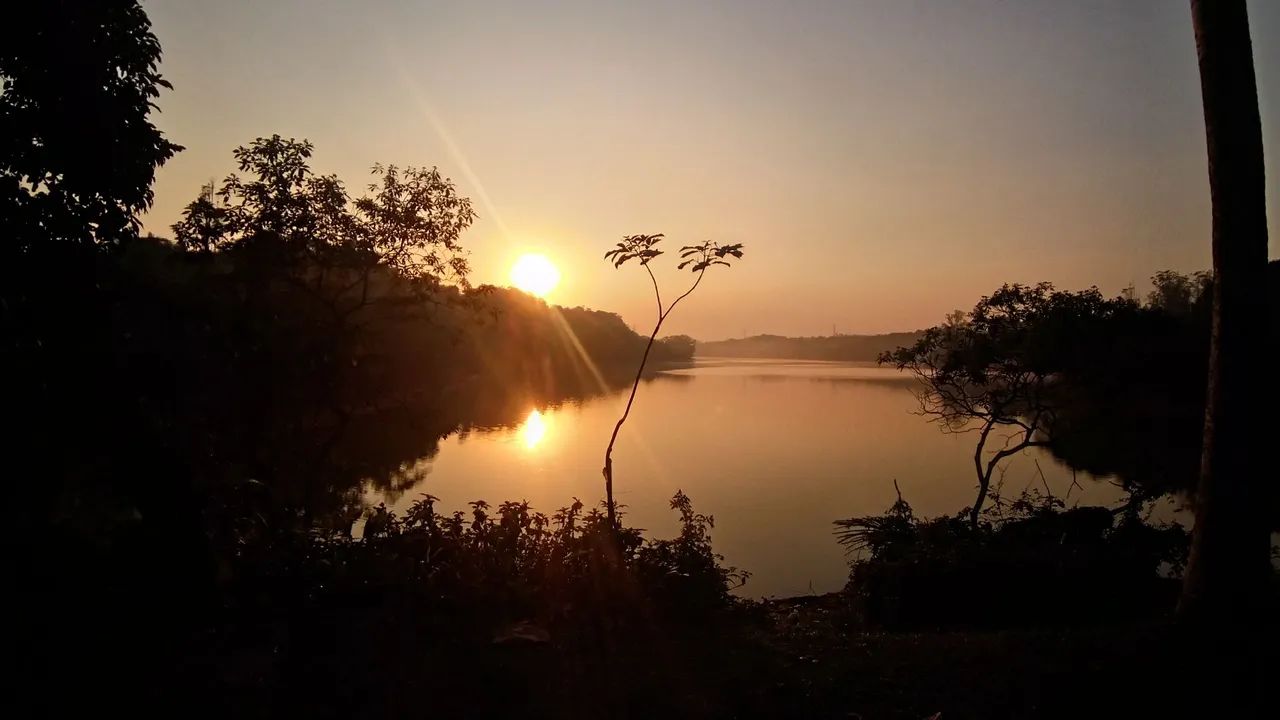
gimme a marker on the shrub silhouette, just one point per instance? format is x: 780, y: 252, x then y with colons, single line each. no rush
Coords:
x: 1031, y: 562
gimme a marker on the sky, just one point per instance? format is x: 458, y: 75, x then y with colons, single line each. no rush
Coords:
x: 883, y: 162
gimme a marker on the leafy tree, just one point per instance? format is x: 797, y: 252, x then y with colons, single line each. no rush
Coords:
x: 679, y: 348
x: 1229, y: 566
x: 205, y: 223
x: 408, y: 228
x: 78, y: 151
x: 413, y: 220
x: 996, y: 373
x: 281, y: 202
x: 1178, y: 294
x: 643, y: 249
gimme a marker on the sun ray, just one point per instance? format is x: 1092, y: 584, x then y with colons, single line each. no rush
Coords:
x: 455, y: 150
x: 568, y: 335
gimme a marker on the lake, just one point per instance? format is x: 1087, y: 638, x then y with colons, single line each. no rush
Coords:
x: 774, y: 450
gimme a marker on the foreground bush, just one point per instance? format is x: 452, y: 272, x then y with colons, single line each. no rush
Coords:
x: 1033, y: 562
x: 475, y: 613
x: 481, y: 571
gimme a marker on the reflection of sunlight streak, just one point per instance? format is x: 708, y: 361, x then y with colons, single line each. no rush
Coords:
x: 571, y: 338
x: 533, y: 429
x: 455, y: 151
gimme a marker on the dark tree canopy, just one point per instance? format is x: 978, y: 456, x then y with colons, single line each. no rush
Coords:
x: 1179, y: 294
x: 409, y: 225
x: 996, y: 372
x: 1109, y: 386
x: 413, y: 219
x: 280, y: 202
x: 78, y: 151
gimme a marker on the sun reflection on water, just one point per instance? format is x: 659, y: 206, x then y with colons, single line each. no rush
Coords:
x: 533, y: 429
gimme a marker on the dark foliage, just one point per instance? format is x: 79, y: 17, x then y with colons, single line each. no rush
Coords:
x: 78, y: 150
x: 513, y: 563
x: 463, y: 607
x: 408, y: 227
x: 996, y: 371
x: 1109, y: 386
x: 1131, y: 403
x: 1032, y: 562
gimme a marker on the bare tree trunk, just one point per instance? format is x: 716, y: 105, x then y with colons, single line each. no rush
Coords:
x: 1227, y: 576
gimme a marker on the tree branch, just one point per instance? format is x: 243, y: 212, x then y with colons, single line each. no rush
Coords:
x: 686, y: 294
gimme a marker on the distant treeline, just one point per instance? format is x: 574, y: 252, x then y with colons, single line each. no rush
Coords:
x: 864, y: 348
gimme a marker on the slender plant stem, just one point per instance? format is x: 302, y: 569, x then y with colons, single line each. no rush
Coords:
x: 635, y: 385
x: 656, y: 294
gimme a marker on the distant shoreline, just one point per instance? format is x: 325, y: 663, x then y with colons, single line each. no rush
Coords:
x: 844, y: 348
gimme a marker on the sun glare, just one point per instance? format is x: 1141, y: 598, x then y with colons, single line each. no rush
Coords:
x: 535, y: 274
x: 533, y: 429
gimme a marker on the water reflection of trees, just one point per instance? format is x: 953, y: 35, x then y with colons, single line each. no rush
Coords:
x: 387, y: 454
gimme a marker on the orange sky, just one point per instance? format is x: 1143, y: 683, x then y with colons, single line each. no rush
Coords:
x: 883, y: 162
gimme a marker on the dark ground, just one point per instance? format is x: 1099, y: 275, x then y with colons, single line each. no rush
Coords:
x: 802, y: 657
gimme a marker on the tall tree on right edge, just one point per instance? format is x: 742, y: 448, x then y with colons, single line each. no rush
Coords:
x: 1227, y: 575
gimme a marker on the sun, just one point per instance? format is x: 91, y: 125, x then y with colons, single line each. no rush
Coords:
x: 535, y: 274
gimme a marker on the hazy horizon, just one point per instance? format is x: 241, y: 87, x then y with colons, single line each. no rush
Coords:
x: 884, y: 163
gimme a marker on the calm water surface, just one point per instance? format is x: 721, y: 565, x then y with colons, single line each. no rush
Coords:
x: 775, y: 450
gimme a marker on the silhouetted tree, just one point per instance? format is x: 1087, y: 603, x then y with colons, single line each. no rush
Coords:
x: 78, y: 151
x: 1121, y: 391
x: 1177, y: 293
x: 644, y: 248
x: 205, y: 223
x: 280, y: 203
x: 413, y: 220
x: 1131, y: 398
x: 1228, y: 568
x: 679, y: 348
x: 998, y: 369
x: 306, y: 227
